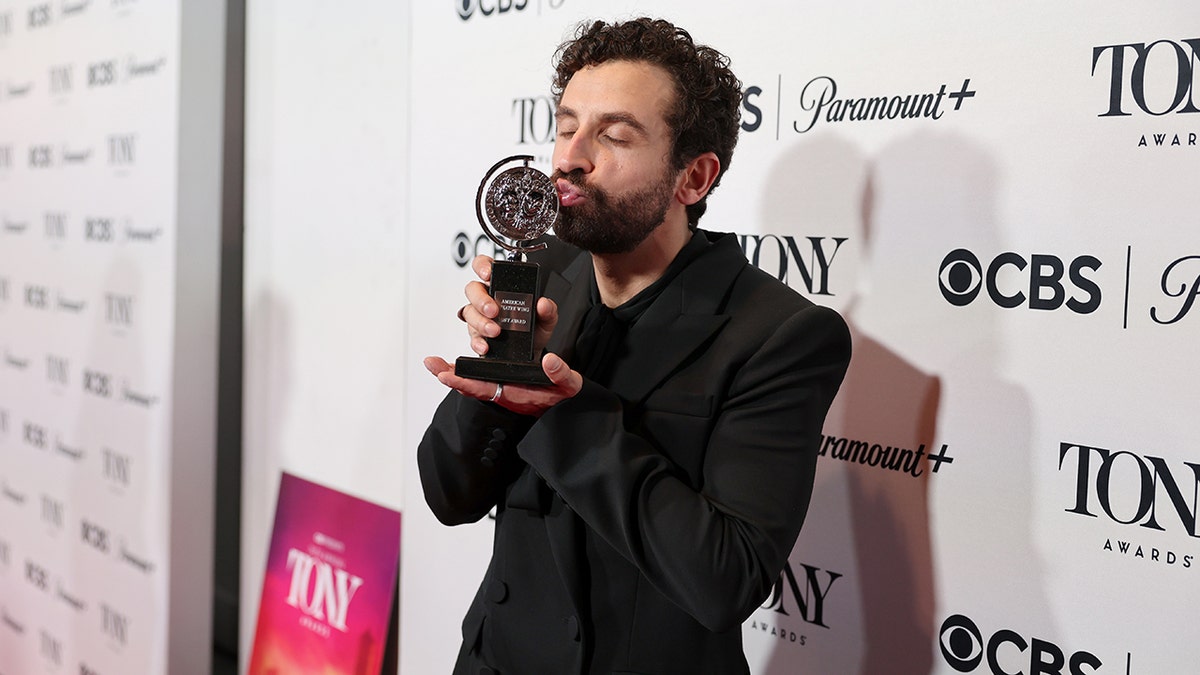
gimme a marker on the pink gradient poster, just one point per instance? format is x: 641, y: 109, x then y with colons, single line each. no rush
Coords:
x: 330, y: 584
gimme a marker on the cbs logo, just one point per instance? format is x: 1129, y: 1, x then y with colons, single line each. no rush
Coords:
x: 1041, y: 282
x: 964, y: 648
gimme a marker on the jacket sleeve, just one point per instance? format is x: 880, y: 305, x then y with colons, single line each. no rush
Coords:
x: 465, y: 458
x: 715, y: 551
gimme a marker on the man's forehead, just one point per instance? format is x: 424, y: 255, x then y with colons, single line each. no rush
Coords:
x: 608, y: 117
x: 619, y: 90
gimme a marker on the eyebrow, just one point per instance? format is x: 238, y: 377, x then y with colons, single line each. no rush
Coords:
x: 607, y: 118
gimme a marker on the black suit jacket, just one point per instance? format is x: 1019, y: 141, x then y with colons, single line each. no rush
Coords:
x: 638, y: 525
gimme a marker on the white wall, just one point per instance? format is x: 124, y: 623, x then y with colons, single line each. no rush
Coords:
x: 325, y: 248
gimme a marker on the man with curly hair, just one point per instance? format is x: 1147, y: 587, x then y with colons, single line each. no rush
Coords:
x: 647, y: 500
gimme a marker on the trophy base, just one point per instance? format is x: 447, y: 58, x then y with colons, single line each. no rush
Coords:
x: 499, y: 370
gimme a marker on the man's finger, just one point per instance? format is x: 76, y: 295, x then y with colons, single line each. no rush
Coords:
x: 561, y: 375
x: 436, y: 365
x: 466, y: 386
x: 547, y: 311
x: 479, y: 345
x: 478, y: 324
x: 477, y: 294
x: 482, y: 264
x: 547, y: 319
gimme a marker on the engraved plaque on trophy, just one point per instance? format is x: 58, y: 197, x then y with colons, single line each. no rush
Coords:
x: 519, y: 202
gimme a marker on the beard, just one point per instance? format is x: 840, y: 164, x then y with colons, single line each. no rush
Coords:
x: 607, y: 225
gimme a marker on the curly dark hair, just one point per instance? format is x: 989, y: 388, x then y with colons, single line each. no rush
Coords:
x: 706, y: 114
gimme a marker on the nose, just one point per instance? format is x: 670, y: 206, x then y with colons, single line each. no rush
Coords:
x: 574, y: 153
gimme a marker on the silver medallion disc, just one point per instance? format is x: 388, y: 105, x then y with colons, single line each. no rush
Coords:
x: 521, y: 203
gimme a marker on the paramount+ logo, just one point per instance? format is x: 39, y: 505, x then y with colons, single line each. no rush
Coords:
x: 1186, y: 272
x: 965, y: 649
x: 1039, y: 281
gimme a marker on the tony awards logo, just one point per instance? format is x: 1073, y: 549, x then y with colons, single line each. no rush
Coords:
x: 520, y: 203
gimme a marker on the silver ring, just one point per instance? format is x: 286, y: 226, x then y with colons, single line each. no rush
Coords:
x: 499, y: 390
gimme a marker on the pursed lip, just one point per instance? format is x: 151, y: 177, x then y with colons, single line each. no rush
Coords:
x: 569, y: 194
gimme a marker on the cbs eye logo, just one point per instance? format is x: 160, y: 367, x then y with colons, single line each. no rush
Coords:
x: 964, y: 648
x: 466, y: 8
x: 961, y: 643
x: 1013, y: 281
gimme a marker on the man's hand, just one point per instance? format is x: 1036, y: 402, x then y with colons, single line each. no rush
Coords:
x: 519, y: 398
x: 481, y: 311
x: 479, y: 314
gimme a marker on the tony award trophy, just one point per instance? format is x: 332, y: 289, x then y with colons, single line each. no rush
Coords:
x: 520, y: 203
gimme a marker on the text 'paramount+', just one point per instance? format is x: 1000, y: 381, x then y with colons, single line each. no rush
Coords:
x: 819, y: 101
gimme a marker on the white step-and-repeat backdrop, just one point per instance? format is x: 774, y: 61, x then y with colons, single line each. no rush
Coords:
x: 110, y: 128
x: 1002, y: 201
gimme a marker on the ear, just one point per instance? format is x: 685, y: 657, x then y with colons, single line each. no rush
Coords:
x: 697, y: 178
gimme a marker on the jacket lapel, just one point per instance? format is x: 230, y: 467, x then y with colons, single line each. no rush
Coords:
x: 570, y: 290
x: 679, y: 321
x: 684, y: 317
